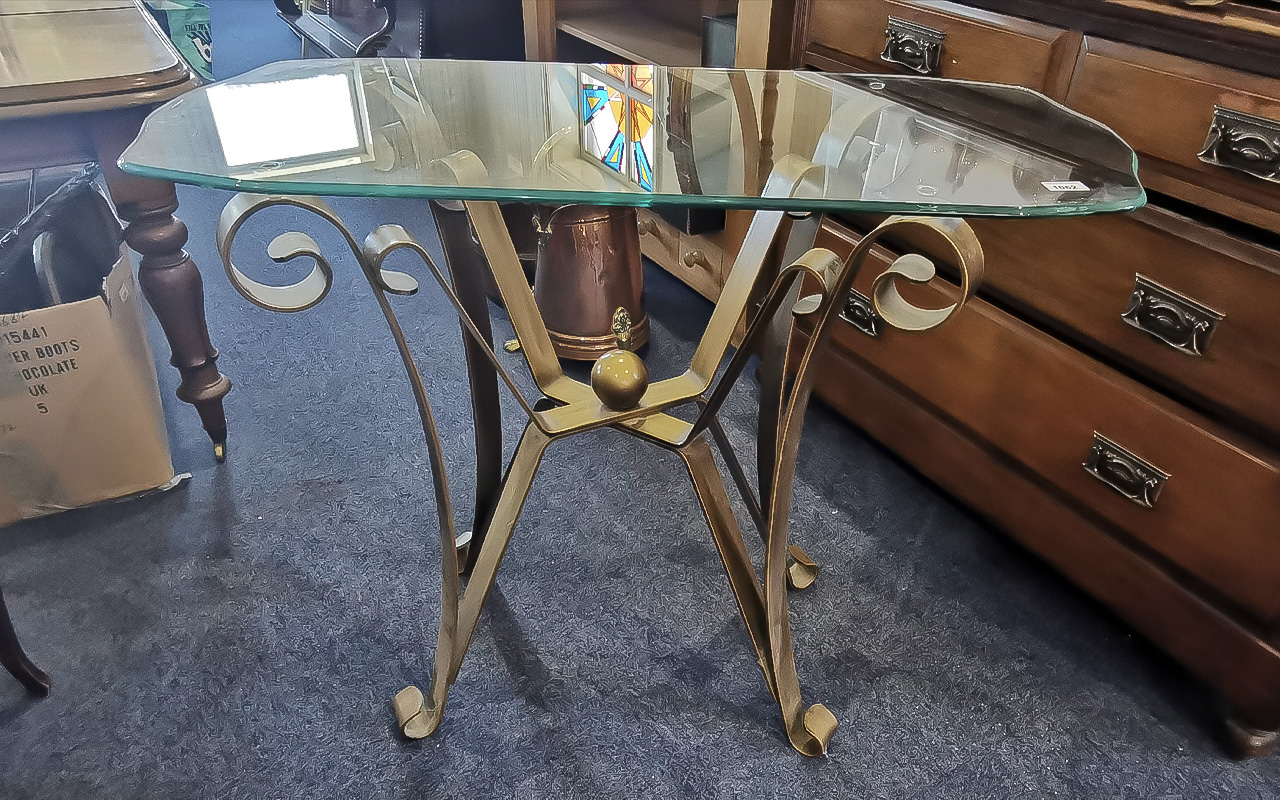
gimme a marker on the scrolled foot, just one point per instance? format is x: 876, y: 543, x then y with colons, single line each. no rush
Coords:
x: 802, y: 571
x: 819, y: 726
x: 1246, y: 741
x: 412, y: 713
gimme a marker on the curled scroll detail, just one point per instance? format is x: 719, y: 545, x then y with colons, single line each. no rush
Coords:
x: 419, y: 715
x: 914, y: 268
x: 288, y: 246
x: 810, y: 729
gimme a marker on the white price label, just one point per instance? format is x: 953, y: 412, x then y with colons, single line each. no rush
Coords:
x: 1065, y: 186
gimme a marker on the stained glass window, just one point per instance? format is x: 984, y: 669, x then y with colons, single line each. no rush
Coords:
x: 642, y: 144
x: 642, y: 78
x: 603, y: 120
x: 617, y: 119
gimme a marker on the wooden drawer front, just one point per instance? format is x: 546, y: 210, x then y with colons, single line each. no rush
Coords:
x: 1080, y: 276
x: 976, y: 45
x: 703, y: 262
x: 1039, y: 402
x: 696, y: 260
x: 1163, y: 106
x: 658, y: 239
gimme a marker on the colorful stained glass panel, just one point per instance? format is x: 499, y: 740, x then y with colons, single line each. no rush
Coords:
x: 642, y: 78
x: 603, y: 121
x: 618, y: 71
x: 642, y: 144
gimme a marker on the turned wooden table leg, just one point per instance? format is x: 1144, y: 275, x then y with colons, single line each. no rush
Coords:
x: 16, y: 661
x: 169, y: 278
x: 173, y: 287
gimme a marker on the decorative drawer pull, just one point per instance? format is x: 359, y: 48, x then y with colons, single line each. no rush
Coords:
x: 1126, y: 473
x: 696, y: 258
x: 912, y: 45
x: 861, y: 313
x: 1174, y: 319
x: 1243, y: 142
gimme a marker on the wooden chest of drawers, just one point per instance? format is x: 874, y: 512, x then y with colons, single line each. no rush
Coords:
x: 1112, y: 399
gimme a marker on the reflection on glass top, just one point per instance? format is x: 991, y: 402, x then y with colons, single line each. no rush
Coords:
x: 609, y: 134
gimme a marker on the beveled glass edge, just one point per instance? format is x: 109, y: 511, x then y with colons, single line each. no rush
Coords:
x: 628, y: 199
x: 1101, y: 126
x: 647, y: 199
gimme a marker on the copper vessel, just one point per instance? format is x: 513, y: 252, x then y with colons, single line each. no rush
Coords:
x: 588, y: 267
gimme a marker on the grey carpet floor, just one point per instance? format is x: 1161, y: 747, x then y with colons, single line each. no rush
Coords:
x: 242, y: 637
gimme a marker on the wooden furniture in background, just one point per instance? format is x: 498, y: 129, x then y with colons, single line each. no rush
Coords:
x: 1113, y: 400
x: 77, y: 79
x: 472, y: 29
x: 13, y: 659
x: 666, y: 32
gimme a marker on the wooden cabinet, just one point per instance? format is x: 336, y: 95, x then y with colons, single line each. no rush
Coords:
x: 1112, y: 398
x: 1185, y: 306
x: 473, y: 29
x: 970, y: 44
x: 1166, y: 106
x: 1021, y: 390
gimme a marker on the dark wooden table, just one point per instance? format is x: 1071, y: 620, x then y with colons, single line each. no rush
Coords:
x: 77, y: 78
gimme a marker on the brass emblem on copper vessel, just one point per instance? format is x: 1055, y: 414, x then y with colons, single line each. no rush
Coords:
x: 622, y: 328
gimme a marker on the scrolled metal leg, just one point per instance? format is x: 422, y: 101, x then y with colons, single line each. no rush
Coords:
x: 775, y: 352
x: 467, y: 270
x: 418, y: 715
x: 808, y: 729
x: 733, y: 551
x: 570, y: 407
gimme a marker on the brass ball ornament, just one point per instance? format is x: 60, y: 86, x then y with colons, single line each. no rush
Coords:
x: 619, y: 378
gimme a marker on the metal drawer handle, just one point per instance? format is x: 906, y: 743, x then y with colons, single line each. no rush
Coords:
x: 912, y: 45
x: 1243, y: 142
x: 860, y: 312
x: 1174, y: 319
x: 1135, y: 479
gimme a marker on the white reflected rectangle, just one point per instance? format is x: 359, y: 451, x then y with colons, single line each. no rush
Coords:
x: 314, y: 116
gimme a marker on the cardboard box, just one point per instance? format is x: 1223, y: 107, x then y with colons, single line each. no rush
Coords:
x: 186, y: 23
x: 80, y: 414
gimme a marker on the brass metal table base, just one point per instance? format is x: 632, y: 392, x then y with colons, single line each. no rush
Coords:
x: 569, y: 407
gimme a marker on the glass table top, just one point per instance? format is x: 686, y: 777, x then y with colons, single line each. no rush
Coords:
x: 638, y: 135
